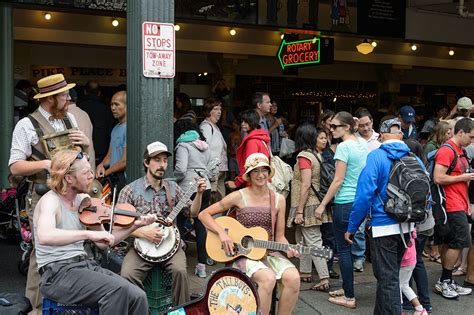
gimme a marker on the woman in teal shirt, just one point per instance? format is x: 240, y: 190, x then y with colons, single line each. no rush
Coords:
x: 350, y: 157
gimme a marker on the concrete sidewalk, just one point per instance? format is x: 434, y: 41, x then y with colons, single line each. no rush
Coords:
x: 313, y: 302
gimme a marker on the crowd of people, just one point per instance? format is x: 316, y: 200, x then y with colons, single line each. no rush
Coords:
x: 339, y: 198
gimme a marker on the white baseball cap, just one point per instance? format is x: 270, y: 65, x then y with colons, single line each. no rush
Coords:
x: 464, y: 103
x: 155, y: 148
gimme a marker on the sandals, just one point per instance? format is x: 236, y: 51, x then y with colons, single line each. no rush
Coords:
x: 435, y: 259
x: 321, y: 286
x: 335, y: 293
x: 459, y: 272
x: 306, y: 277
x: 343, y: 301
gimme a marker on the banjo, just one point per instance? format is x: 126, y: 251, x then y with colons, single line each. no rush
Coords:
x: 171, y: 240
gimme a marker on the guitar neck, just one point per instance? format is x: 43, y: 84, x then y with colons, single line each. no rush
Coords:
x: 182, y: 202
x: 281, y: 246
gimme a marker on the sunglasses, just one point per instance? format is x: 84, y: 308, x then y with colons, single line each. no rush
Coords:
x: 334, y: 127
x: 80, y: 155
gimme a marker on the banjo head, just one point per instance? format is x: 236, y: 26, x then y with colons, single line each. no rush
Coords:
x: 168, y: 246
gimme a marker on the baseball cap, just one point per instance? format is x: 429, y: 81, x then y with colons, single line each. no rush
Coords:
x: 407, y: 113
x: 156, y: 148
x: 464, y: 103
x: 389, y: 123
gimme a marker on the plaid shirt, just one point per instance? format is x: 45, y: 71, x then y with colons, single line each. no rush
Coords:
x: 143, y: 196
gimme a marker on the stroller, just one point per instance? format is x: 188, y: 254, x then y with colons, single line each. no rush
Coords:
x: 14, y: 222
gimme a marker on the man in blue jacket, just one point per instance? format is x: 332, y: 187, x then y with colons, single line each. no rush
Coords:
x: 388, y: 247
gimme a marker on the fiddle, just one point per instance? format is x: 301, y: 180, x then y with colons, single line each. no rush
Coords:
x: 98, y: 212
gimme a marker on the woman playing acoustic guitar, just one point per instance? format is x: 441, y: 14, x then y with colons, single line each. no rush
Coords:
x: 254, y: 208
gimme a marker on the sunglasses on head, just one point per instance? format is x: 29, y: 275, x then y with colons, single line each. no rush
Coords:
x: 334, y: 127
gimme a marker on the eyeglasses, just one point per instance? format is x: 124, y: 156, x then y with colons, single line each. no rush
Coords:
x: 264, y: 171
x: 334, y: 127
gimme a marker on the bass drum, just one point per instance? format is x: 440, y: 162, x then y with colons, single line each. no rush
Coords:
x: 228, y: 291
x: 162, y: 251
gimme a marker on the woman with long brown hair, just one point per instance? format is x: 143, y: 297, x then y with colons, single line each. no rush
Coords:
x: 350, y: 157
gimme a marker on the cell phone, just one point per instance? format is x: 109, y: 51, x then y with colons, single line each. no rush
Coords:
x: 4, y: 302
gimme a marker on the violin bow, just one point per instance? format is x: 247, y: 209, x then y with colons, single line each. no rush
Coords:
x: 112, y: 210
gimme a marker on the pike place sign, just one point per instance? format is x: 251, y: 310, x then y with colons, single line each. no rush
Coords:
x: 298, y: 53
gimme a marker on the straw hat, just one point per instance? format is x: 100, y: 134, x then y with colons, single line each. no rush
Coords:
x: 254, y: 161
x: 51, y: 85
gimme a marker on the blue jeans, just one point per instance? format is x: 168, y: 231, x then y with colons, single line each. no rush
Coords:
x: 358, y: 245
x: 387, y: 254
x: 341, y: 221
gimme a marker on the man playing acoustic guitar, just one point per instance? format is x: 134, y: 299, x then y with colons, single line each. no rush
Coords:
x: 66, y: 275
x: 154, y: 194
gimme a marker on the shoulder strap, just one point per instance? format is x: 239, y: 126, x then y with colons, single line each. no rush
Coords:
x: 243, y: 197
x: 67, y: 122
x: 168, y: 195
x: 454, y: 161
x: 273, y: 211
x: 268, y: 150
x: 36, y: 125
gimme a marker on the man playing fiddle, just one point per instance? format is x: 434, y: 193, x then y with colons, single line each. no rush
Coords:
x: 154, y: 194
x: 66, y: 275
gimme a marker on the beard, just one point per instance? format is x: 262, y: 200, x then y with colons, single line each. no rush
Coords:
x: 156, y: 176
x: 58, y: 113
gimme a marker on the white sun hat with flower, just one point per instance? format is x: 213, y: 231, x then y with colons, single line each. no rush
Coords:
x: 254, y: 161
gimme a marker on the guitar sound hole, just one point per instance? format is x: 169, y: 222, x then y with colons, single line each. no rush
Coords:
x: 247, y: 242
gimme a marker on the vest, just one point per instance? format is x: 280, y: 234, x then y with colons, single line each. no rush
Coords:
x: 43, y: 130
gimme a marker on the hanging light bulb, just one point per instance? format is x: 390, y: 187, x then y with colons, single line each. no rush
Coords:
x: 365, y: 48
x: 282, y: 35
x: 177, y: 27
x: 414, y: 47
x: 451, y: 52
x: 232, y: 32
x: 47, y: 16
x: 374, y: 44
x: 115, y: 22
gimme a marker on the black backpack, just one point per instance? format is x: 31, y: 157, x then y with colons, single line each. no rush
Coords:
x: 408, y: 191
x: 326, y: 176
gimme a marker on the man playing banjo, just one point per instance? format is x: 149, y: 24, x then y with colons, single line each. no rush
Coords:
x: 156, y: 195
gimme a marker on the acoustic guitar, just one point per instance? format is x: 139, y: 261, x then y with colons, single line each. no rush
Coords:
x: 252, y: 243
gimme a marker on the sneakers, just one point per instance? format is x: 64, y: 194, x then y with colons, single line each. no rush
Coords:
x: 460, y: 289
x: 359, y: 265
x: 446, y: 289
x: 200, y: 270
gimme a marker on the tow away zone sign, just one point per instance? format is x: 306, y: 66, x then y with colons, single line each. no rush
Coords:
x: 158, y: 50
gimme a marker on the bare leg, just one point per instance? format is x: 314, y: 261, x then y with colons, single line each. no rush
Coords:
x: 265, y: 279
x: 470, y: 266
x: 449, y: 257
x: 290, y: 290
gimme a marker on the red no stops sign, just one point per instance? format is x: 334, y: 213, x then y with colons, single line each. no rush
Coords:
x: 158, y: 50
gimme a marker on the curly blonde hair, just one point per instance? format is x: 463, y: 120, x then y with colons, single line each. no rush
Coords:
x: 60, y: 166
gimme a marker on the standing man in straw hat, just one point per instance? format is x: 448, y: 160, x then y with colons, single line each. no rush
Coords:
x: 30, y: 155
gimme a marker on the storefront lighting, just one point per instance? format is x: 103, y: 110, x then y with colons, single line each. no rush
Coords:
x: 451, y: 52
x: 177, y: 27
x: 232, y: 32
x: 200, y: 74
x: 115, y: 22
x: 374, y: 44
x: 414, y: 47
x: 334, y: 99
x: 47, y: 16
x: 365, y: 47
x: 282, y: 35
x: 205, y: 73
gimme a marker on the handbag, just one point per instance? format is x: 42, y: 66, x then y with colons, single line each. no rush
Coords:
x: 280, y: 181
